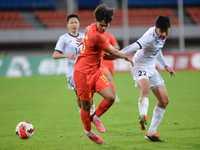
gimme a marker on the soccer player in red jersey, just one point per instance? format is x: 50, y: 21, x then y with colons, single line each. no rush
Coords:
x: 88, y: 76
x: 107, y: 66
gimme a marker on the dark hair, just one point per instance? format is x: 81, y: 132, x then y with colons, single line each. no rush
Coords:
x: 102, y: 12
x: 163, y: 22
x: 72, y: 16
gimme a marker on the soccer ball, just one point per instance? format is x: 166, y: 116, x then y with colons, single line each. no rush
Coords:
x: 24, y: 130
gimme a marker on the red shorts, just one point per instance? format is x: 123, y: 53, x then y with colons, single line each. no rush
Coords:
x: 107, y: 66
x: 88, y: 84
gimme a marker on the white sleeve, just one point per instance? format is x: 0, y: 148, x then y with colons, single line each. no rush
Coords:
x: 161, y: 59
x: 60, y: 45
x: 131, y: 48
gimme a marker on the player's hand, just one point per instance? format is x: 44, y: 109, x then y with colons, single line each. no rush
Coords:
x: 170, y: 70
x: 130, y: 60
x: 79, y: 41
x: 107, y: 56
x: 72, y: 55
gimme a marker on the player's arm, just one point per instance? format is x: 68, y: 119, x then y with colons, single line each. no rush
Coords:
x: 112, y: 51
x: 127, y: 50
x: 164, y: 64
x: 131, y: 48
x: 58, y: 55
x: 116, y: 46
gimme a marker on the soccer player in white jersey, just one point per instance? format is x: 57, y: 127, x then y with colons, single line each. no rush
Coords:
x: 66, y: 47
x: 146, y: 77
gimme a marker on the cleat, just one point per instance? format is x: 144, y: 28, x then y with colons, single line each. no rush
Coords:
x: 153, y: 138
x: 143, y: 122
x: 94, y: 138
x: 98, y: 125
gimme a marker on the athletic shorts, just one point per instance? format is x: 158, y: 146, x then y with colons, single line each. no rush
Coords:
x: 88, y: 84
x: 151, y: 74
x: 70, y: 79
x: 107, y: 66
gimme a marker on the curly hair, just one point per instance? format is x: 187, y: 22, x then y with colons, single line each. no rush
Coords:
x: 102, y: 12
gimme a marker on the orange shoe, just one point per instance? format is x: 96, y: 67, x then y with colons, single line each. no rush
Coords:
x: 153, y: 138
x: 94, y: 138
x: 143, y: 122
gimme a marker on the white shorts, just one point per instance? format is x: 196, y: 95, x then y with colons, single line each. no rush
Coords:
x: 70, y: 72
x: 151, y: 74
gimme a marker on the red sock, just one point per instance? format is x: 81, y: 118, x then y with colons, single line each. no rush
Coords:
x: 113, y: 86
x: 102, y: 108
x: 85, y: 117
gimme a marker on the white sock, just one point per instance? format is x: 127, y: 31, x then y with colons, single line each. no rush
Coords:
x: 88, y: 132
x: 92, y: 109
x: 156, y: 119
x: 79, y: 109
x: 95, y: 117
x: 143, y: 104
x: 117, y: 100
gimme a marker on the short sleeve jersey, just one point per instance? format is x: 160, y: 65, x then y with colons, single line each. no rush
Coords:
x: 150, y: 45
x: 66, y: 44
x: 90, y: 57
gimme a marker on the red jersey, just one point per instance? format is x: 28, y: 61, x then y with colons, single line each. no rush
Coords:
x: 90, y: 57
x: 111, y: 39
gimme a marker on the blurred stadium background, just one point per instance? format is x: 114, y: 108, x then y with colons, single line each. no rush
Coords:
x: 31, y: 28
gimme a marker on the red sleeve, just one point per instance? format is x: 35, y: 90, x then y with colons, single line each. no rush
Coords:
x: 101, y: 41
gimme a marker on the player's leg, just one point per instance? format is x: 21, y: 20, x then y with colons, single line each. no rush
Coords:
x: 92, y: 108
x: 163, y: 100
x: 143, y: 101
x: 78, y: 100
x: 85, y: 93
x: 85, y: 117
x: 103, y: 106
x: 108, y: 70
x: 103, y: 87
x: 109, y: 77
x: 159, y: 90
x: 108, y: 95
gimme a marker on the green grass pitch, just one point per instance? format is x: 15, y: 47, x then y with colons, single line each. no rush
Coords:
x: 46, y: 102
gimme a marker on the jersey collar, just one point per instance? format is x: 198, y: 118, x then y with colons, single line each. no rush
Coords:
x: 73, y: 35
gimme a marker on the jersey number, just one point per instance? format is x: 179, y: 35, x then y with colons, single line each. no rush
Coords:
x: 104, y: 79
x: 142, y: 73
x: 83, y: 50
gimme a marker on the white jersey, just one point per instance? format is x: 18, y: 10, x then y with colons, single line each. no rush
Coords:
x: 150, y: 45
x: 66, y: 44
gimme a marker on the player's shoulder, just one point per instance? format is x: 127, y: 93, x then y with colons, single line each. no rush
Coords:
x: 64, y: 36
x: 149, y: 35
x: 150, y: 32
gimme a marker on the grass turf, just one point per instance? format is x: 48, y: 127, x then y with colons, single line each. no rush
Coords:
x: 46, y: 102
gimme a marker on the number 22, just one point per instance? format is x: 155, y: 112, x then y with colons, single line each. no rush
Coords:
x: 142, y: 73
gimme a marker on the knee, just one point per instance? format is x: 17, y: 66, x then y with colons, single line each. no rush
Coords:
x: 110, y: 98
x: 165, y: 102
x: 85, y: 105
